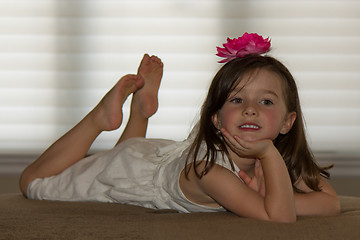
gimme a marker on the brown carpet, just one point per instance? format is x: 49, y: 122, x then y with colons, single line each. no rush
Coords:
x: 21, y: 218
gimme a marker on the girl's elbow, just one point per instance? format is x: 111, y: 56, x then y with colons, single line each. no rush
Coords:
x: 286, y: 219
x: 281, y: 217
x: 289, y: 220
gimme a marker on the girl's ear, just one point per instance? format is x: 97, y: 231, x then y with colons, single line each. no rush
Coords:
x: 215, y: 120
x: 289, y: 121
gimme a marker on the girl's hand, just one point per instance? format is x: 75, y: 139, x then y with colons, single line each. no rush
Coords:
x: 242, y: 148
x: 256, y: 183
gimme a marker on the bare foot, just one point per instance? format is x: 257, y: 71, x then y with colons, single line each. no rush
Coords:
x: 145, y: 100
x: 108, y: 113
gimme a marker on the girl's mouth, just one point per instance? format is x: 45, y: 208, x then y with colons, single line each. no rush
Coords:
x: 249, y: 127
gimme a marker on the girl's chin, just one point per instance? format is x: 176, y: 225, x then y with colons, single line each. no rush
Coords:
x: 249, y: 138
x: 252, y: 138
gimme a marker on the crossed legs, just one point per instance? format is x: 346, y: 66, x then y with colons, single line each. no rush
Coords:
x: 106, y: 116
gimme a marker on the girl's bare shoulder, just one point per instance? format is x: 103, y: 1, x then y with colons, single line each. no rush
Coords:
x: 201, y: 190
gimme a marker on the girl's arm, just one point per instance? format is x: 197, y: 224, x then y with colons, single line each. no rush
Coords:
x: 228, y: 190
x: 324, y: 203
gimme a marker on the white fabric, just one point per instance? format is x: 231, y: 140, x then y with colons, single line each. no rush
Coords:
x: 139, y: 171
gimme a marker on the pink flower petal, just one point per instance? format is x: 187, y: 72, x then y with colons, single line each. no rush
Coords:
x: 249, y: 43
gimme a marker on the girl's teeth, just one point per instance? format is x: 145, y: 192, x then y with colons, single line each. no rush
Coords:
x: 250, y: 126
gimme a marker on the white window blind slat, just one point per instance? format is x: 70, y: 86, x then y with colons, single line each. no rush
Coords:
x: 58, y: 58
x: 185, y: 8
x: 315, y: 117
x: 328, y: 80
x: 109, y: 44
x: 330, y: 99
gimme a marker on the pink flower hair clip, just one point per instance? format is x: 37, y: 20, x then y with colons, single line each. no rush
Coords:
x: 249, y: 43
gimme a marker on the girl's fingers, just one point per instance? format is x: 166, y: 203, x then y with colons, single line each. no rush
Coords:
x: 259, y: 175
x: 244, y: 177
x: 258, y: 171
x: 232, y: 141
x: 228, y: 137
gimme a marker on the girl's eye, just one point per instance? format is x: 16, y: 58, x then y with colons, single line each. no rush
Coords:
x: 266, y: 102
x: 236, y: 100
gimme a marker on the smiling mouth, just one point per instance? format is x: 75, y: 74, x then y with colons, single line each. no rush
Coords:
x: 249, y: 127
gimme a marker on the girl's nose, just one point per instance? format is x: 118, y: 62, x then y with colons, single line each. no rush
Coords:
x: 250, y: 111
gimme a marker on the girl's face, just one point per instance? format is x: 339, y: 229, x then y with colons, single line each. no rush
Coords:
x: 256, y: 108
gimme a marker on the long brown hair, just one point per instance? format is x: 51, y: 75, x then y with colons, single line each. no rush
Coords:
x: 292, y: 146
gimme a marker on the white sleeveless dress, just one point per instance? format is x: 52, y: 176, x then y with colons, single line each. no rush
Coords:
x: 139, y: 171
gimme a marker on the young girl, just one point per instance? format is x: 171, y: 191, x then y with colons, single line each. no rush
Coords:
x: 248, y: 153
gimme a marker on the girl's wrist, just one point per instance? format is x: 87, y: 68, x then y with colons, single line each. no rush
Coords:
x: 269, y: 151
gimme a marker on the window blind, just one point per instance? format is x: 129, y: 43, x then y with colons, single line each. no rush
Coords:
x: 58, y: 58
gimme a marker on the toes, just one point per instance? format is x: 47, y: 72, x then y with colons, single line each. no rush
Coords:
x: 145, y: 60
x: 129, y: 78
x: 153, y: 58
x: 146, y: 57
x: 156, y: 59
x: 130, y: 82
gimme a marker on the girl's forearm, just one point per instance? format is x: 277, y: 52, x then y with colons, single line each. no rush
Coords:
x: 66, y: 151
x: 279, y: 198
x: 316, y: 203
x: 325, y: 202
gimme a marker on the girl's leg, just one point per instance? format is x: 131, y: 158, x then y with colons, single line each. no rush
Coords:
x: 144, y: 102
x: 74, y: 145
